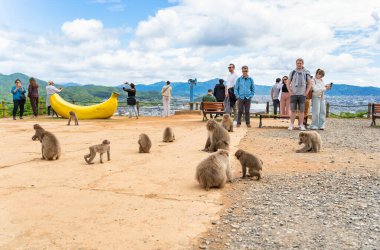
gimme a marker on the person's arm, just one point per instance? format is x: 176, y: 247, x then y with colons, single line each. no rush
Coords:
x: 14, y: 90
x: 289, y: 87
x: 252, y: 88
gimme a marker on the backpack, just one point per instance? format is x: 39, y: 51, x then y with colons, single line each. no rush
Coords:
x: 310, y: 94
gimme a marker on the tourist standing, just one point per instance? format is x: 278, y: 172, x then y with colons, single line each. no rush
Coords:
x: 209, y: 97
x: 220, y: 91
x: 230, y: 90
x: 131, y: 98
x: 318, y: 105
x: 51, y: 90
x: 18, y: 92
x: 244, y: 91
x: 284, y: 98
x: 166, y: 96
x: 33, y: 95
x: 274, y: 93
x: 299, y: 86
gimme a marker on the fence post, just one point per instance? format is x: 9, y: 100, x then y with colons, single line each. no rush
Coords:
x: 369, y: 110
x: 3, y: 108
x: 327, y: 109
x: 267, y: 108
x: 40, y: 107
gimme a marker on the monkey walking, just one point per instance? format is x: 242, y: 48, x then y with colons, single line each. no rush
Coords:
x: 50, y: 147
x: 101, y: 149
x: 144, y: 143
x: 168, y: 135
x: 312, y: 141
x: 215, y: 170
x: 218, y: 137
x: 73, y: 116
x: 227, y: 123
x: 250, y: 161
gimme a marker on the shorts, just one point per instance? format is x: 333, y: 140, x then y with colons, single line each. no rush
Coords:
x: 297, y: 102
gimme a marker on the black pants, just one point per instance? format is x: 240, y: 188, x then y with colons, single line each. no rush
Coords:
x: 276, y: 105
x: 246, y: 105
x: 16, y: 104
x: 52, y: 110
x: 34, y: 104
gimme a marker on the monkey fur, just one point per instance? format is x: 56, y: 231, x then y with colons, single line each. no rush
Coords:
x: 101, y: 149
x: 250, y: 161
x: 50, y: 147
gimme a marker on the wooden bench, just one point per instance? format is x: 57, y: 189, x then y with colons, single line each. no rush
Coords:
x: 375, y: 113
x: 264, y: 115
x: 216, y: 108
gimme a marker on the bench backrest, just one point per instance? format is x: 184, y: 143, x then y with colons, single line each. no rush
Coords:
x: 213, y: 106
x: 375, y: 108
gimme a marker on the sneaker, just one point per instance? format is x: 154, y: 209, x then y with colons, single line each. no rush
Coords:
x: 302, y: 128
x: 238, y: 125
x: 248, y: 125
x: 314, y: 128
x: 291, y: 127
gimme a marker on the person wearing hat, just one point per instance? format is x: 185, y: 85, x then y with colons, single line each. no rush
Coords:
x: 50, y: 90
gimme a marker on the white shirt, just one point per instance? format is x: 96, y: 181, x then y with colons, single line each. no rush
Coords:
x: 318, y: 87
x: 231, y: 80
x: 50, y: 90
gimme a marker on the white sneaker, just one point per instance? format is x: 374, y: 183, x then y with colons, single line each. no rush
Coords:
x: 291, y: 127
x: 302, y: 128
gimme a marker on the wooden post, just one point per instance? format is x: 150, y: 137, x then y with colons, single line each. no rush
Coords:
x: 3, y: 108
x: 267, y: 108
x: 40, y: 107
x: 369, y: 110
x: 327, y: 109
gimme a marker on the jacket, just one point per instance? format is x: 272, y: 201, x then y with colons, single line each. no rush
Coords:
x: 18, y: 95
x: 244, y: 88
x: 220, y: 92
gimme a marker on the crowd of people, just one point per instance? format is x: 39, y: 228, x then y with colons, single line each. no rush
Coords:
x: 290, y: 95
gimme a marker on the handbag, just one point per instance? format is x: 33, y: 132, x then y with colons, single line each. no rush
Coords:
x: 22, y: 96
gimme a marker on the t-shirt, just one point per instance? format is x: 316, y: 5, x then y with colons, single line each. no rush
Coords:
x: 299, y: 80
x: 276, y: 91
x: 231, y: 80
x: 208, y: 98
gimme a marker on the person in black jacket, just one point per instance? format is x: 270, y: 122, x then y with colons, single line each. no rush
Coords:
x: 220, y: 91
x: 131, y: 99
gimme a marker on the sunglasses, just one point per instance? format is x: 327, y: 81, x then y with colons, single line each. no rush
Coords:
x: 244, y: 70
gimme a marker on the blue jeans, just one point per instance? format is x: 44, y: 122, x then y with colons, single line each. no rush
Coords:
x: 132, y: 108
x: 246, y: 105
x: 318, y: 113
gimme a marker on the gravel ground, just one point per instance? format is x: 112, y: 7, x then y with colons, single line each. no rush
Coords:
x: 336, y: 206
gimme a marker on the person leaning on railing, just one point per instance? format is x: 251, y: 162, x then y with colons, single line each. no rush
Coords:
x: 18, y: 92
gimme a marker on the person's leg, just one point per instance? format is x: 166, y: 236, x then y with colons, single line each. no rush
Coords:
x: 283, y: 104
x: 164, y: 105
x: 168, y: 107
x: 247, y: 108
x: 235, y: 108
x: 135, y: 110
x: 301, y: 103
x: 36, y: 106
x: 293, y: 110
x: 22, y: 103
x: 322, y: 114
x: 240, y: 111
x: 15, y: 108
x: 276, y: 106
x: 315, y: 108
x: 33, y: 104
x: 130, y: 109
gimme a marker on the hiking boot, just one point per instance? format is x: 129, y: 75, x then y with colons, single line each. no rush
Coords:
x: 14, y: 118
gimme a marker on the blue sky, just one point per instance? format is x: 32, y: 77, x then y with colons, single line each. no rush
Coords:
x: 111, y: 41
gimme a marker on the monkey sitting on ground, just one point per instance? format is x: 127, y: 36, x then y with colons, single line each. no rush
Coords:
x: 250, y: 161
x: 312, y: 141
x: 145, y: 143
x: 101, y: 149
x: 51, y: 150
x: 73, y: 116
x: 218, y: 137
x: 215, y: 170
x: 227, y: 123
x: 168, y: 135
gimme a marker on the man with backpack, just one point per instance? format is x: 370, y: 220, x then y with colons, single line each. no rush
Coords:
x: 299, y: 85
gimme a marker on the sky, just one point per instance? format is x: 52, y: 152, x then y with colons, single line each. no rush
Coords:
x: 108, y: 42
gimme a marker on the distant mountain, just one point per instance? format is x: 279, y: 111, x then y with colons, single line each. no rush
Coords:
x: 93, y: 93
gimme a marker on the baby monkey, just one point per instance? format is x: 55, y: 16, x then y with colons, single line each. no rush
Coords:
x: 73, y: 116
x: 101, y: 149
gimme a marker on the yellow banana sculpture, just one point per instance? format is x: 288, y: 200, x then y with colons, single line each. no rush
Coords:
x: 98, y: 111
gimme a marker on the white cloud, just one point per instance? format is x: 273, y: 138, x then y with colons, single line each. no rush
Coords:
x: 200, y: 38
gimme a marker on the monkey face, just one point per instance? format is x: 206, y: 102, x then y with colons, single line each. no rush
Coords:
x: 226, y: 117
x: 239, y: 153
x: 303, y: 137
x: 211, y: 124
x: 106, y: 142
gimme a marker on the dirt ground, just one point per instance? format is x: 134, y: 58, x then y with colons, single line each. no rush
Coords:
x: 135, y: 201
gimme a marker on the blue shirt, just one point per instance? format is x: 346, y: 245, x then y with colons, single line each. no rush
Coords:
x: 244, y: 88
x: 17, y: 95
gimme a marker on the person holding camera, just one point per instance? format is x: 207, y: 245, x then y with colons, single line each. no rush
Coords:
x: 131, y: 98
x: 318, y: 100
x: 51, y: 90
x: 18, y: 92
